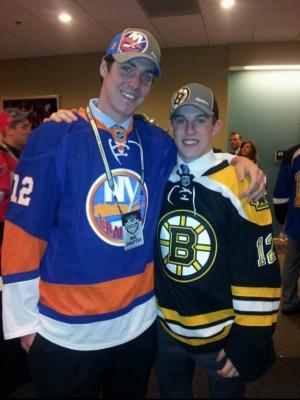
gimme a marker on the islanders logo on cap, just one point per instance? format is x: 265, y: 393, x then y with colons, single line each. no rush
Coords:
x: 102, y: 210
x: 133, y: 41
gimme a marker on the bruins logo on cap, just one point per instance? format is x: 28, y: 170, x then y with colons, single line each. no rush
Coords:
x: 181, y: 96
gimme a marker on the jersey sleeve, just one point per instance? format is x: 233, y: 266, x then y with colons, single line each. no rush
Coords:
x: 282, y: 191
x: 255, y: 288
x: 36, y: 189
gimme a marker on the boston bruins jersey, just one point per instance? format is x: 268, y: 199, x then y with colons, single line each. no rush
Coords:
x: 217, y: 275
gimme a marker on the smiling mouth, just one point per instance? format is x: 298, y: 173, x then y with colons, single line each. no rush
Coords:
x: 128, y: 96
x: 190, y: 142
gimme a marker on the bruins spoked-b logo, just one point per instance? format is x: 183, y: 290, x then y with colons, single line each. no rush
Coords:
x: 180, y: 97
x: 188, y: 245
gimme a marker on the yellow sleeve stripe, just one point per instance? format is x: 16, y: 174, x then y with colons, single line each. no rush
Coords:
x: 255, y: 291
x: 255, y: 320
x: 198, y: 342
x: 257, y: 212
x: 197, y: 320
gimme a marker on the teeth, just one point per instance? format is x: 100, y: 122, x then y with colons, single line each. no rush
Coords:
x: 129, y: 96
x: 190, y: 141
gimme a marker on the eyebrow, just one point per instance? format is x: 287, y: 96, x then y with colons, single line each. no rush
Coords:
x: 134, y: 65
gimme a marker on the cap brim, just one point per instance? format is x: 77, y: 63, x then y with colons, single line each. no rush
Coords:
x: 203, y: 108
x: 123, y: 57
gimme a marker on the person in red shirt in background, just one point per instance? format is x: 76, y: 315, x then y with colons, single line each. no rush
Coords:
x: 15, y: 129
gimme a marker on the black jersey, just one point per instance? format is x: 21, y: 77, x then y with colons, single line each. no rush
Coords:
x: 217, y: 275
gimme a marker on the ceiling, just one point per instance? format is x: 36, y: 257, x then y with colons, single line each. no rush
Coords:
x: 30, y: 28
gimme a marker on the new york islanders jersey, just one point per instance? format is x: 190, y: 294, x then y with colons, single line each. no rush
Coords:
x: 217, y: 275
x: 65, y: 271
x: 286, y: 196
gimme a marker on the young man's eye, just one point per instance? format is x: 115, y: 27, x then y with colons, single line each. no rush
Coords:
x: 127, y: 69
x: 201, y: 120
x: 179, y: 121
x: 147, y: 77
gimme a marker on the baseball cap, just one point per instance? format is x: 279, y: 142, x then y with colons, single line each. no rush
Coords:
x: 134, y: 43
x: 193, y: 94
x: 16, y: 114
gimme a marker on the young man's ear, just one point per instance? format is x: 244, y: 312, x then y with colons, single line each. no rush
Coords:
x: 103, y: 68
x: 171, y: 130
x: 217, y: 127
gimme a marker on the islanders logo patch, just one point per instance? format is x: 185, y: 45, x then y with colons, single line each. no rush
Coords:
x: 188, y: 245
x: 102, y: 210
x: 133, y: 41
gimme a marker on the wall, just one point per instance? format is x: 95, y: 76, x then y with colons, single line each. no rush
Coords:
x: 75, y: 78
x: 265, y: 106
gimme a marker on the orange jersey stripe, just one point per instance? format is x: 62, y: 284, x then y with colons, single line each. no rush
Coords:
x: 82, y: 112
x: 77, y: 300
x: 21, y: 252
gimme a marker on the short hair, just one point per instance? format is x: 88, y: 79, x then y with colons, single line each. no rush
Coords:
x: 215, y: 110
x: 233, y: 133
x: 109, y: 62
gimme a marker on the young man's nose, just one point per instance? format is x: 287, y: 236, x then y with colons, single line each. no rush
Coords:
x: 134, y: 80
x: 190, y: 128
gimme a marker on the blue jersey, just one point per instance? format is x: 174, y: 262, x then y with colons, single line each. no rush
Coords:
x: 286, y: 196
x: 65, y: 270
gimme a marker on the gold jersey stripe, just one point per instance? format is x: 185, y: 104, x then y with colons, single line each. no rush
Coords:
x: 256, y: 320
x: 255, y: 291
x: 198, y: 342
x: 197, y: 320
x: 253, y: 211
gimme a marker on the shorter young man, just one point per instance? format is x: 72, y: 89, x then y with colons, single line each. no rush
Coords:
x: 217, y: 276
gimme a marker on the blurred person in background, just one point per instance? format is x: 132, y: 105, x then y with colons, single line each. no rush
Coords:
x: 286, y: 200
x: 15, y: 130
x: 235, y: 142
x: 249, y: 149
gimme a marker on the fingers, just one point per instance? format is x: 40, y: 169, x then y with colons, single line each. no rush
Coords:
x: 239, y: 164
x: 228, y: 371
x: 27, y: 340
x: 220, y: 355
x: 63, y: 115
x: 257, y: 187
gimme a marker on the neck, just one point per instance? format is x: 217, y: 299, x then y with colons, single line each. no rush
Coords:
x: 8, y: 140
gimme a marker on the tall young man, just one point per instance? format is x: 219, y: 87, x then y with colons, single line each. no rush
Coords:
x: 78, y: 248
x: 217, y: 278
